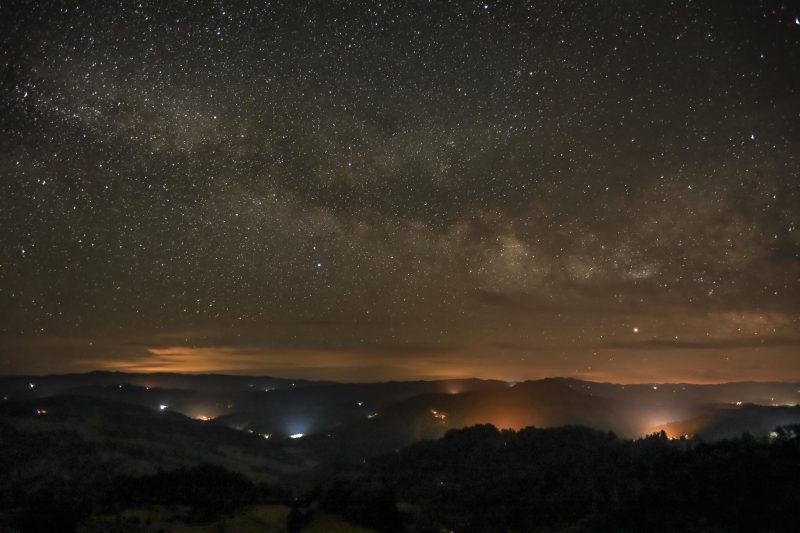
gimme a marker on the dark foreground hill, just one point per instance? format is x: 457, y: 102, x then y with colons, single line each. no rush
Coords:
x: 79, y: 439
x: 73, y: 463
x: 575, y: 479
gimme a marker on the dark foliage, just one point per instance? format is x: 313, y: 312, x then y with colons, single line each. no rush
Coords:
x: 476, y: 479
x: 210, y: 491
x: 573, y: 478
x: 364, y: 501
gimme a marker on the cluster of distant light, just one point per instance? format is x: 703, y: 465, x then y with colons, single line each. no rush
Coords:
x: 438, y: 415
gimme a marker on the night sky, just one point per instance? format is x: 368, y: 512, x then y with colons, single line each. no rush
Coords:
x: 394, y: 190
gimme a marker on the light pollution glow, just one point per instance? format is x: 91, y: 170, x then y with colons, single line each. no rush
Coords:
x: 492, y: 204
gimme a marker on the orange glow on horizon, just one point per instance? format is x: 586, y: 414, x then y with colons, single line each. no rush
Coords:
x: 347, y: 366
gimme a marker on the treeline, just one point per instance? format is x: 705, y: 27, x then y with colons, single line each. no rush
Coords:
x: 575, y: 479
x: 478, y: 479
x: 210, y: 491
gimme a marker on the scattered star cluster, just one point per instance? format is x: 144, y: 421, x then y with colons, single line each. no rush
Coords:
x: 391, y: 190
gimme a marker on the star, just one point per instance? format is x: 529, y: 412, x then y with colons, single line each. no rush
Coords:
x: 485, y: 192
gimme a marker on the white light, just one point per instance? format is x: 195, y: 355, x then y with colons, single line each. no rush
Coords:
x: 32, y: 385
x: 296, y: 436
x: 636, y: 330
x: 162, y: 407
x: 360, y: 404
x: 372, y: 415
x: 266, y: 435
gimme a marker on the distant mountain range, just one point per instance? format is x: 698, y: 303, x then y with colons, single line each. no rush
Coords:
x: 366, y: 418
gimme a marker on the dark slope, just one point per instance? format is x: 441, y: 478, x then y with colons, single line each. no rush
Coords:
x: 322, y: 408
x: 19, y: 387
x: 79, y: 439
x: 542, y: 403
x: 725, y: 422
x: 575, y: 479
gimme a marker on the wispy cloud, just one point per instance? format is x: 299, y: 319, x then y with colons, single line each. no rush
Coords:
x: 717, y: 344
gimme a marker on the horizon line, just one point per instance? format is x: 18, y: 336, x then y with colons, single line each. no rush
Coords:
x: 428, y: 379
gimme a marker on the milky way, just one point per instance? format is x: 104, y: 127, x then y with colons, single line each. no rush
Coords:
x: 391, y: 190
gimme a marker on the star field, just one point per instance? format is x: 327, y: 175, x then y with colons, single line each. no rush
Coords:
x: 391, y: 190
